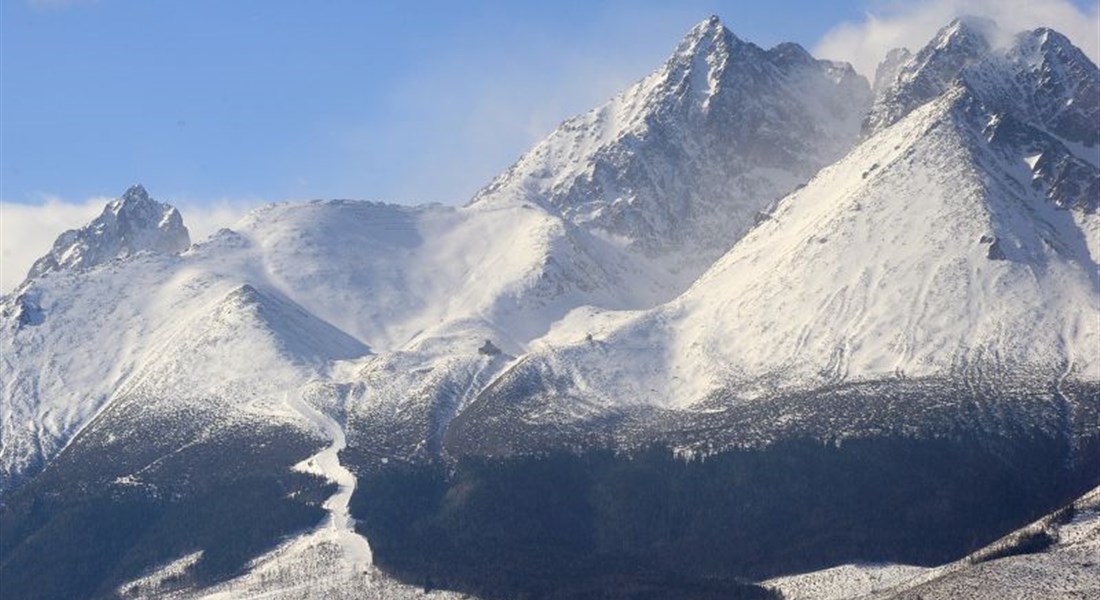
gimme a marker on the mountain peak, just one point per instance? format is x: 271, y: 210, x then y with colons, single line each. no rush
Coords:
x: 969, y: 202
x: 704, y: 49
x: 132, y: 223
x: 791, y: 53
x: 967, y: 29
x: 640, y: 170
x: 1044, y: 45
x: 910, y: 82
x: 1049, y: 38
x: 294, y: 332
x: 1044, y: 79
x: 709, y: 27
x: 135, y: 193
x: 134, y: 201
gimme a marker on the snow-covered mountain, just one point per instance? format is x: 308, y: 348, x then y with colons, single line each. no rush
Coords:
x: 693, y: 152
x: 744, y: 249
x: 958, y: 242
x: 678, y: 165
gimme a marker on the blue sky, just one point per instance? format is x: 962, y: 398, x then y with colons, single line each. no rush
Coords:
x: 403, y: 101
x: 400, y: 101
x: 218, y: 105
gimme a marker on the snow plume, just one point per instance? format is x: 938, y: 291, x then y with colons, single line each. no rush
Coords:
x: 27, y: 231
x: 911, y: 23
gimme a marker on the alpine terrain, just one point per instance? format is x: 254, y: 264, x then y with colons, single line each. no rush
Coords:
x: 751, y: 328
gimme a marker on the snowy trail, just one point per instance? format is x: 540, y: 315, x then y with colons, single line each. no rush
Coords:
x: 340, y: 525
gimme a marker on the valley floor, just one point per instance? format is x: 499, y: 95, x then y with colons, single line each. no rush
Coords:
x: 320, y: 565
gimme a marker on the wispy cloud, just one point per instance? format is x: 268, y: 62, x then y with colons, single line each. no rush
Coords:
x: 495, y: 105
x: 27, y: 231
x: 911, y: 23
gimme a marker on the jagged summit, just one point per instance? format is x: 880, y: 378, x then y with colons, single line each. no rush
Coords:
x: 135, y: 193
x: 792, y: 53
x: 966, y: 30
x: 132, y: 223
x: 958, y: 242
x: 711, y: 28
x: 704, y: 50
x: 1035, y: 94
x: 677, y: 166
x: 1061, y: 86
x: 906, y: 82
x: 1037, y: 76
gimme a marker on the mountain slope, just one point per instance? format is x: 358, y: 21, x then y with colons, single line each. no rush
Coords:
x: 390, y: 274
x: 387, y: 275
x: 69, y: 340
x: 938, y: 247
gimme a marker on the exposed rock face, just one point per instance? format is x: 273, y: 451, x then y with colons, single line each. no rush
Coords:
x: 904, y: 82
x: 128, y: 225
x: 488, y: 348
x: 1038, y: 100
x: 887, y: 71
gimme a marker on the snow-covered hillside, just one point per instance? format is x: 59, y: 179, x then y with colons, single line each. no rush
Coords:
x: 385, y: 277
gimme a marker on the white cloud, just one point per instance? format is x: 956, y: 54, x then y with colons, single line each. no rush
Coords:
x: 27, y: 231
x: 203, y: 218
x: 912, y: 23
